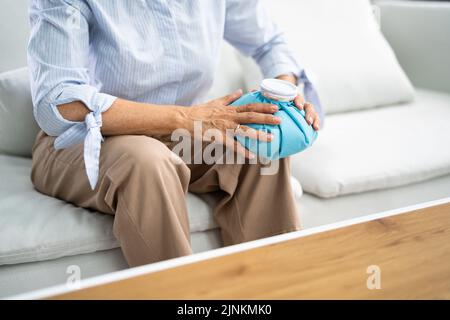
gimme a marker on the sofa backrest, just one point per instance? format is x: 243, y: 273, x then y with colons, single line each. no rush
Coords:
x: 18, y: 128
x: 341, y: 44
x: 14, y: 31
x: 422, y: 48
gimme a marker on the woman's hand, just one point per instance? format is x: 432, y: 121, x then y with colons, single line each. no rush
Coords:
x: 311, y: 116
x: 218, y: 114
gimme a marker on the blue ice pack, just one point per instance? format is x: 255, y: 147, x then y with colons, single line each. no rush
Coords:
x: 292, y: 135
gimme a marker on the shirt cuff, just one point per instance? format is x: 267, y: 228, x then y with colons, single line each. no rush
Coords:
x: 310, y: 93
x: 94, y: 100
x: 88, y: 130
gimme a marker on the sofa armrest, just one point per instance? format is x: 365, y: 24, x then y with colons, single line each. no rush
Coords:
x: 419, y: 33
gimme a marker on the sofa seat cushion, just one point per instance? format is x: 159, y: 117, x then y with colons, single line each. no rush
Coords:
x: 379, y: 148
x: 37, y: 227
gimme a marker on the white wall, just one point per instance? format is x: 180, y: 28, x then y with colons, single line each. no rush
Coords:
x: 14, y: 31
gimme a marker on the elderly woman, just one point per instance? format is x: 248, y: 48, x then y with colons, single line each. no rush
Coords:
x: 122, y: 76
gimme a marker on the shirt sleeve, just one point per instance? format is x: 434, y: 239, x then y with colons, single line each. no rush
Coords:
x: 58, y: 61
x: 249, y: 28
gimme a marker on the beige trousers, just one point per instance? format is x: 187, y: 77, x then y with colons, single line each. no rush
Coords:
x: 144, y: 188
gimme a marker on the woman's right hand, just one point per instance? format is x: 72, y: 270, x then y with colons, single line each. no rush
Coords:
x: 231, y: 120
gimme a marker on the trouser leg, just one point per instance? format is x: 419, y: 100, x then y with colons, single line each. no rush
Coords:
x: 252, y: 205
x: 255, y: 199
x: 139, y: 183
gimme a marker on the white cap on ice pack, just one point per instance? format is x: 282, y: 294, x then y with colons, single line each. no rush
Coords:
x: 278, y: 89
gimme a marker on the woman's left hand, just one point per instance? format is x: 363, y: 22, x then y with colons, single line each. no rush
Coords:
x: 311, y: 116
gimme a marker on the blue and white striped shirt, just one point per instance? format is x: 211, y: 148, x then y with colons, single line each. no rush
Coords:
x: 156, y: 51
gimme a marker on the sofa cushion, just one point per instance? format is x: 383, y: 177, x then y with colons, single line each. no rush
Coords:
x: 17, y: 125
x: 340, y: 43
x: 36, y: 227
x: 379, y: 148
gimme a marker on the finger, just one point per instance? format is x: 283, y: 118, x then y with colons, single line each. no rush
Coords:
x: 310, y: 113
x: 316, y: 123
x: 299, y: 101
x: 310, y: 117
x: 230, y: 98
x: 258, y: 118
x: 251, y: 133
x: 258, y: 107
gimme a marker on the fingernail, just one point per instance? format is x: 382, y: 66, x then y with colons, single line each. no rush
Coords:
x: 251, y: 156
x: 310, y: 120
x: 278, y: 119
x: 239, y: 91
x: 270, y: 137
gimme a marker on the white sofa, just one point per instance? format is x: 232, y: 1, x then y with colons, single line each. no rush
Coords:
x: 371, y: 157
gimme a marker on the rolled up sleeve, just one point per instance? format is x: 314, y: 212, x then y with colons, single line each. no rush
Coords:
x: 58, y: 59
